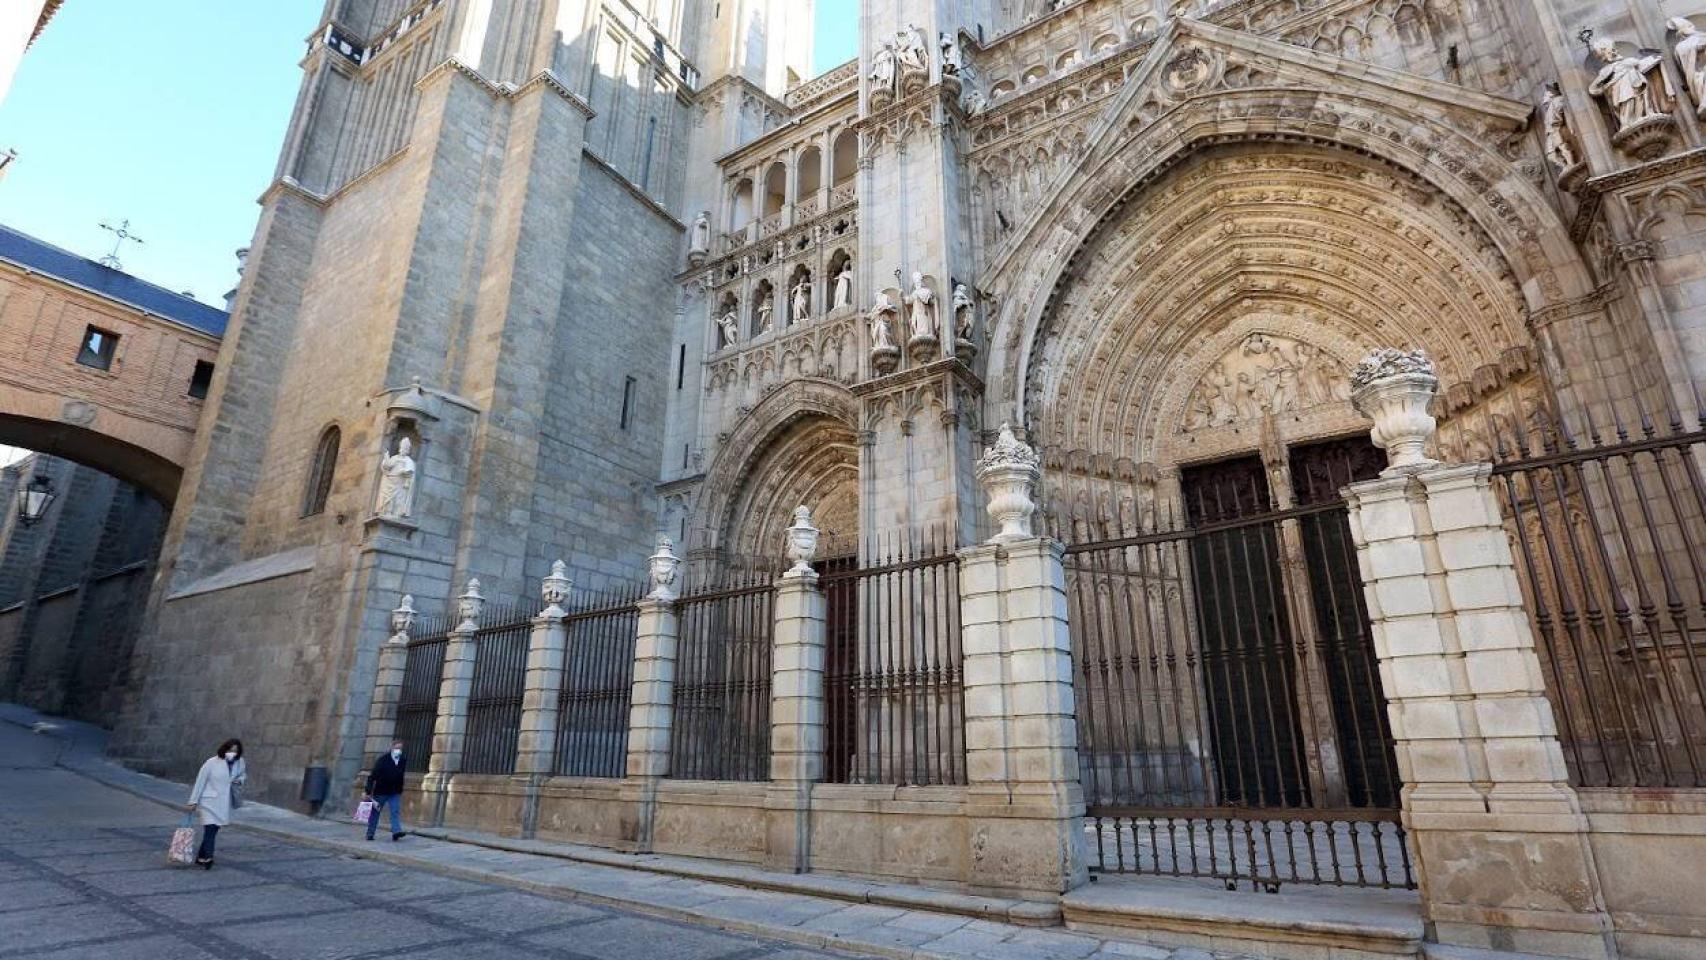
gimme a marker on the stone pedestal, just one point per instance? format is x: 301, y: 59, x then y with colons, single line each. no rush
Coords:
x: 651, y: 712
x: 547, y: 649
x: 388, y: 683
x: 1498, y: 834
x: 1024, y: 804
x: 450, y: 729
x: 796, y: 719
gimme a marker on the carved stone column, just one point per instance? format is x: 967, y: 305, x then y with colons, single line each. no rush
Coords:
x: 651, y: 712
x: 797, y: 702
x: 388, y: 682
x: 449, y: 731
x: 547, y: 646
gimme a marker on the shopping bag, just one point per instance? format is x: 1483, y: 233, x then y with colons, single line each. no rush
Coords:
x: 363, y: 811
x: 182, y: 850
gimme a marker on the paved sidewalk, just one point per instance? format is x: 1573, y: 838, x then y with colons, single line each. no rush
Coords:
x: 736, y: 903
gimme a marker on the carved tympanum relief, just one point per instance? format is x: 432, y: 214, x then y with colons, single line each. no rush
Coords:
x: 1265, y: 375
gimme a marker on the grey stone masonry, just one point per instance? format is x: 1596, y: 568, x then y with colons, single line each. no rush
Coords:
x: 450, y: 730
x: 796, y: 717
x: 1499, y: 835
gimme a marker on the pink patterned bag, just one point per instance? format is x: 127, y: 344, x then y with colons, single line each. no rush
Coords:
x: 363, y: 811
x: 182, y: 850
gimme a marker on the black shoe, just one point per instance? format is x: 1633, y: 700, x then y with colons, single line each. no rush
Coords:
x: 370, y: 838
x: 205, y: 864
x: 395, y: 837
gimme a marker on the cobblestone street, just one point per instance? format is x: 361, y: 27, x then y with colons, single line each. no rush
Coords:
x: 83, y: 876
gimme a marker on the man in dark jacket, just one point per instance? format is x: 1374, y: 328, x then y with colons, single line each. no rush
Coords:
x: 385, y: 789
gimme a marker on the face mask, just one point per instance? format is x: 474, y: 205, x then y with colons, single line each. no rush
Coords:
x: 396, y: 754
x: 231, y: 756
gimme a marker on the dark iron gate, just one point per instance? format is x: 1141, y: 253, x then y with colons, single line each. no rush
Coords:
x: 1229, y: 714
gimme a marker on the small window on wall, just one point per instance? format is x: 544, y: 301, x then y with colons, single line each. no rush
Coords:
x: 627, y: 401
x: 99, y: 347
x: 201, y: 380
x: 325, y: 464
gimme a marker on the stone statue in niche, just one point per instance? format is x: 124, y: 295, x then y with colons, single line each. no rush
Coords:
x: 912, y: 55
x: 397, y: 483
x: 803, y: 299
x: 1265, y: 375
x: 950, y: 54
x: 1690, y: 45
x: 844, y: 286
x: 921, y: 308
x: 964, y: 310
x: 1560, y: 142
x: 701, y: 241
x: 767, y: 313
x: 883, y: 71
x: 1626, y: 84
x: 885, y: 356
x: 729, y: 323
x: 972, y: 98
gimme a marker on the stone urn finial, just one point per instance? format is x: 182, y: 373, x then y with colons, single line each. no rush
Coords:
x: 1007, y: 471
x: 802, y: 542
x: 663, y: 564
x: 554, y: 589
x: 469, y: 605
x: 402, y: 620
x: 1393, y: 388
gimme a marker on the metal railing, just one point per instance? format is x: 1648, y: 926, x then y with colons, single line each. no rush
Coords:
x: 417, y: 704
x: 721, y: 729
x: 893, y: 683
x: 1609, y: 537
x: 494, y: 699
x: 598, y: 683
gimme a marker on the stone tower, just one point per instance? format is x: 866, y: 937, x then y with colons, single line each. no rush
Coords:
x: 470, y: 245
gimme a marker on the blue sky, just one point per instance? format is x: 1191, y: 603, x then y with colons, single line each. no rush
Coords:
x: 170, y: 113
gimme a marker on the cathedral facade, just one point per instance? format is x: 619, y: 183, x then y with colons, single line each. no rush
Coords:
x: 544, y: 280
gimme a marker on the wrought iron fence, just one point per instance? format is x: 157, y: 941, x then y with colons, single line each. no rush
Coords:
x: 1230, y: 721
x: 598, y: 681
x: 494, y: 698
x: 1609, y: 537
x: 721, y: 729
x: 417, y: 705
x: 893, y: 681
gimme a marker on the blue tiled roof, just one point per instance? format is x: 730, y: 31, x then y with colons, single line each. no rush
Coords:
x: 45, y: 258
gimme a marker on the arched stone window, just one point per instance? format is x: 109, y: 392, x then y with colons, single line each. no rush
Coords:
x: 320, y: 473
x: 845, y: 161
x: 740, y: 209
x: 809, y: 178
x: 775, y: 189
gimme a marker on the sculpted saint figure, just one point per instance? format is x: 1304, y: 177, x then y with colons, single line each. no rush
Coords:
x: 880, y: 312
x: 922, y: 305
x: 701, y: 233
x: 1625, y: 85
x: 397, y: 483
x: 730, y: 324
x: 844, y: 285
x: 963, y: 311
x: 1690, y: 43
x: 914, y: 56
x: 767, y: 313
x: 883, y: 68
x: 1554, y: 113
x: 950, y: 54
x: 803, y: 300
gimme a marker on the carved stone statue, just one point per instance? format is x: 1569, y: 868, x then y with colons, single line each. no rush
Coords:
x: 844, y: 286
x: 881, y: 311
x: 972, y: 98
x: 964, y: 311
x: 701, y: 242
x: 921, y: 308
x: 803, y: 299
x: 730, y: 326
x: 397, y: 483
x: 1264, y: 375
x: 950, y: 48
x: 1626, y: 85
x: 912, y: 53
x: 1690, y: 43
x: 1555, y: 115
x: 883, y: 70
x: 767, y: 313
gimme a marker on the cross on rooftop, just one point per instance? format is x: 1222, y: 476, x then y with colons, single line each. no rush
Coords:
x: 121, y: 234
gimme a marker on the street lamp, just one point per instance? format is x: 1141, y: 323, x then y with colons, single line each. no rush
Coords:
x: 34, y: 498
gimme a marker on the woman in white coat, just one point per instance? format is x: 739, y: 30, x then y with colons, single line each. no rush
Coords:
x: 214, y: 794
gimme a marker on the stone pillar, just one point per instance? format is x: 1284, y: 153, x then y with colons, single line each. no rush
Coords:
x: 547, y: 647
x: 1024, y: 801
x: 1498, y: 834
x: 388, y: 683
x: 797, y: 703
x: 651, y: 711
x: 449, y: 730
